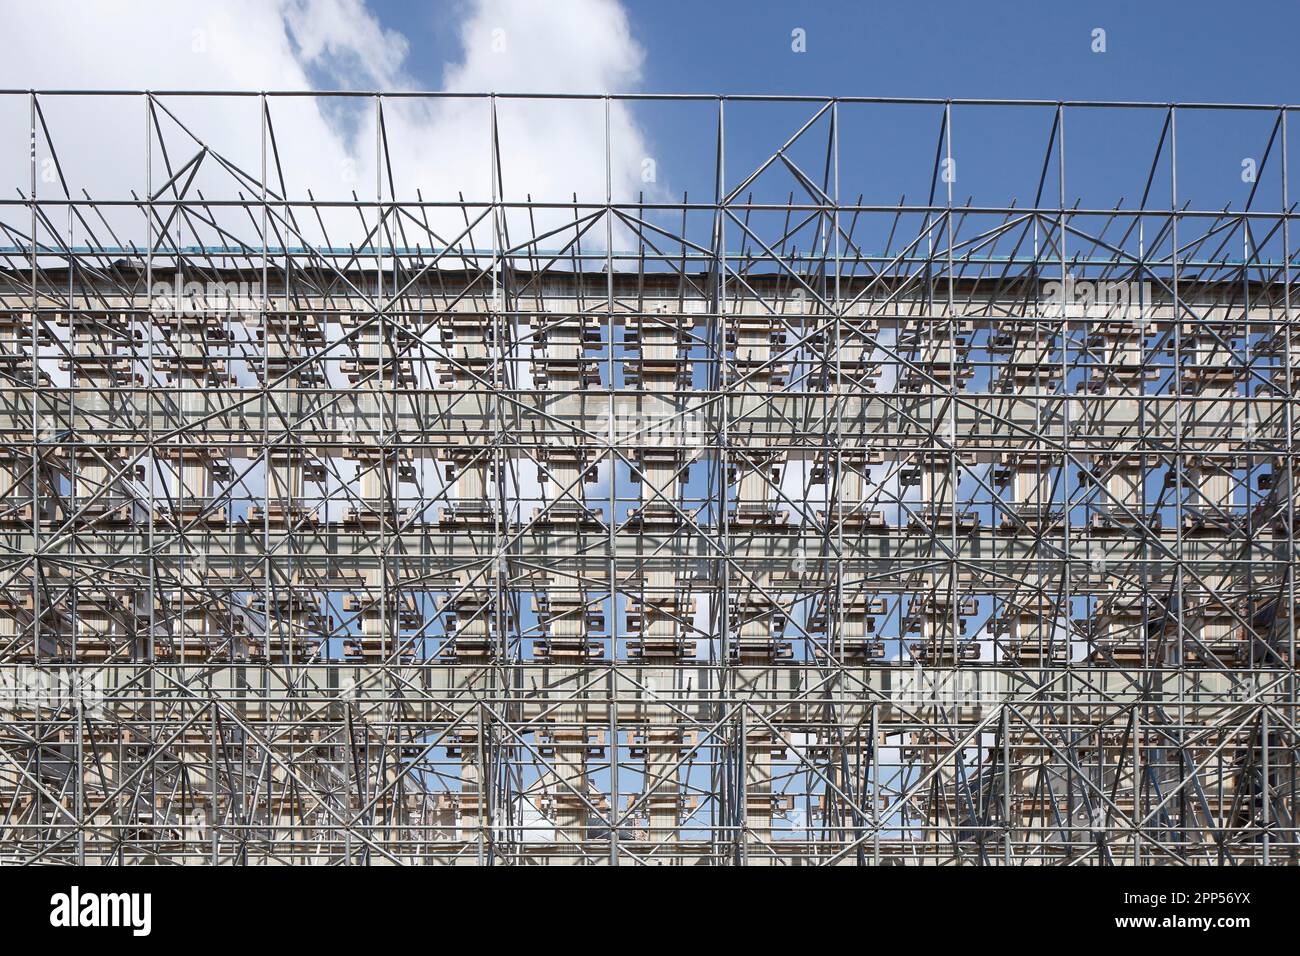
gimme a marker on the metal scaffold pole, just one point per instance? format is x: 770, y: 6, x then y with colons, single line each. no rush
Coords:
x: 484, y: 520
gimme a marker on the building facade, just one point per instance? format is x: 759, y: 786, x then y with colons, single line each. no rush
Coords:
x: 773, y: 526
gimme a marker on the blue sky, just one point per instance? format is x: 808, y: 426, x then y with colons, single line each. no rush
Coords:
x: 1156, y: 50
x: 1192, y: 51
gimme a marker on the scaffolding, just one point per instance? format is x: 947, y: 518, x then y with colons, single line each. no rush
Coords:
x: 780, y: 526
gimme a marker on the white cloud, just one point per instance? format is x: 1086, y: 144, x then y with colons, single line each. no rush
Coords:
x: 582, y: 47
x: 440, y: 148
x: 343, y: 40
